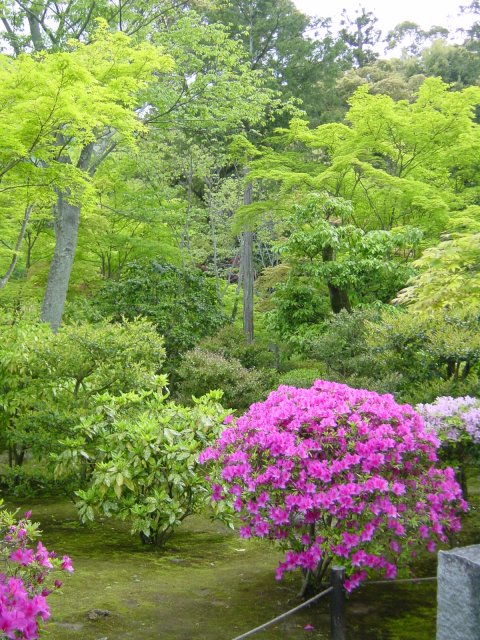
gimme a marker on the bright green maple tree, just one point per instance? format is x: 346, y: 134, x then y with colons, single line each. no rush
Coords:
x: 63, y: 114
x: 397, y: 162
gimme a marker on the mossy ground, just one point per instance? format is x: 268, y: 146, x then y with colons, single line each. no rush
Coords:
x: 208, y: 584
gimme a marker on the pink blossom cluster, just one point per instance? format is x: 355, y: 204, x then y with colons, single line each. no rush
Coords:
x: 336, y: 473
x: 25, y: 582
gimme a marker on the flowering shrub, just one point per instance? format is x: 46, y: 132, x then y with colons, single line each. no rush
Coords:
x: 25, y: 578
x: 453, y: 419
x: 456, y: 422
x: 336, y: 474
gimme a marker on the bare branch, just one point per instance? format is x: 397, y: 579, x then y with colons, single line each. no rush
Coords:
x: 13, y: 262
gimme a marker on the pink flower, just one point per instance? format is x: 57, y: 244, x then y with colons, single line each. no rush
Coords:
x: 43, y: 557
x: 24, y: 557
x: 66, y: 564
x: 216, y: 492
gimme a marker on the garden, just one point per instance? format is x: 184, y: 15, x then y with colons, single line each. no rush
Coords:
x: 239, y: 318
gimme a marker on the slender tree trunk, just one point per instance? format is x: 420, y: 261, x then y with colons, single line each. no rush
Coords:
x: 66, y: 223
x: 246, y: 259
x: 13, y: 262
x: 35, y: 32
x: 338, y: 297
x: 237, y: 295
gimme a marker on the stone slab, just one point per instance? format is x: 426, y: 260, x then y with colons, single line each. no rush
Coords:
x: 458, y: 596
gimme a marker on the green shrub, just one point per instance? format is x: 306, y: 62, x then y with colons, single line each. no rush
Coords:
x: 49, y: 381
x: 230, y: 342
x: 137, y: 458
x: 303, y: 377
x: 202, y: 370
x: 180, y: 302
x: 21, y: 482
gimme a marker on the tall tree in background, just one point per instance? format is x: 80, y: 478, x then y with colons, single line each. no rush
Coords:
x: 81, y: 107
x: 299, y: 55
x: 361, y: 35
x: 274, y: 36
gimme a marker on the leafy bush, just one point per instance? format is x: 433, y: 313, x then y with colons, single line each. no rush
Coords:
x: 418, y: 358
x: 202, y: 370
x: 180, y: 302
x: 21, y: 482
x: 230, y: 342
x: 136, y: 458
x: 48, y: 381
x: 302, y: 377
x: 336, y: 474
x: 26, y: 578
x: 434, y: 354
x: 341, y: 351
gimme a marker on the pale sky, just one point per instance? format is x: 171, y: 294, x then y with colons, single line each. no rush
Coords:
x: 391, y: 12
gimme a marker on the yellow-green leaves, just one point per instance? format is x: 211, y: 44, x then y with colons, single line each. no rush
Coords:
x: 61, y: 114
x: 449, y: 275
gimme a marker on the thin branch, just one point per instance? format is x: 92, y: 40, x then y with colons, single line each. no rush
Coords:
x: 13, y: 262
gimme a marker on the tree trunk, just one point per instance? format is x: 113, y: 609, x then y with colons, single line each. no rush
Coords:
x: 338, y: 297
x: 246, y: 259
x: 66, y: 223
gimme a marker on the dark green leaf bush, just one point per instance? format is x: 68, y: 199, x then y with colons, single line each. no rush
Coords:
x: 202, y: 370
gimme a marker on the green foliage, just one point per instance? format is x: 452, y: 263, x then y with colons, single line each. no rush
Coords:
x: 399, y: 163
x: 417, y: 358
x: 299, y: 301
x: 361, y: 36
x: 432, y: 355
x: 201, y: 370
x: 62, y: 114
x: 22, y: 482
x: 303, y: 69
x: 331, y: 256
x: 303, y: 377
x: 449, y: 275
x: 180, y: 302
x: 47, y: 380
x: 340, y: 347
x: 137, y: 459
x: 230, y: 342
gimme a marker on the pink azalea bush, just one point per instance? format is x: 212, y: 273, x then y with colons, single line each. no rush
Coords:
x: 26, y: 578
x: 336, y: 474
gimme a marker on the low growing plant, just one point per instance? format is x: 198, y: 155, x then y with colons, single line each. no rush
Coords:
x: 336, y: 474
x: 202, y: 370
